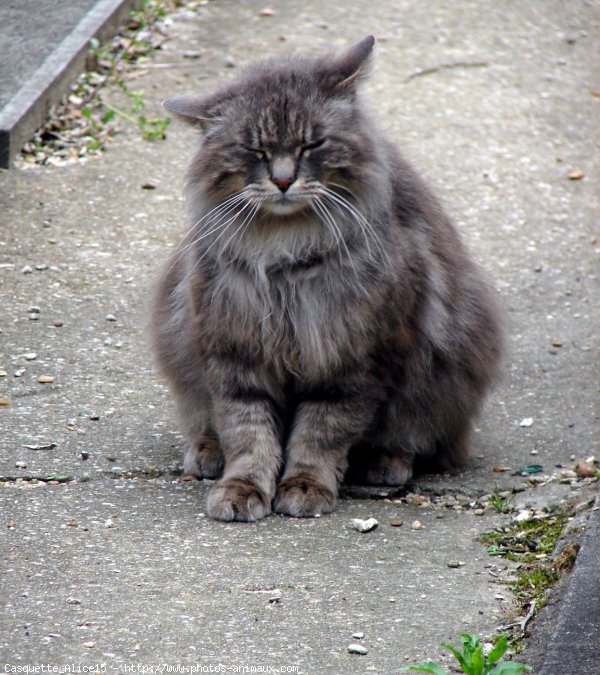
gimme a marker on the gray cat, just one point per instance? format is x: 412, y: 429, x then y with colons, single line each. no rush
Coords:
x: 322, y: 319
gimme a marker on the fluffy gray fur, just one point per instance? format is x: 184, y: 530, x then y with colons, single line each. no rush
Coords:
x: 321, y: 320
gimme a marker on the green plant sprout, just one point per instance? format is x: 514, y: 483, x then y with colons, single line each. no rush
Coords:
x: 81, y: 124
x: 473, y: 661
x: 501, y: 503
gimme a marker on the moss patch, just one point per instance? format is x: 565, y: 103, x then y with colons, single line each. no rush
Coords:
x: 532, y: 543
x: 529, y: 540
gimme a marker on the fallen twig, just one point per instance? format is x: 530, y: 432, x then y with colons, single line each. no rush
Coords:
x: 447, y: 66
x: 523, y: 623
x: 159, y: 66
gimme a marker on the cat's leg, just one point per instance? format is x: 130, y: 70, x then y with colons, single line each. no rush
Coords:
x: 202, y: 455
x: 317, y: 453
x: 385, y: 455
x: 370, y: 465
x: 249, y: 427
x: 450, y: 452
x: 409, y: 440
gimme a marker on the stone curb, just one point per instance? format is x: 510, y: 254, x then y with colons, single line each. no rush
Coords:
x: 574, y: 642
x: 28, y: 108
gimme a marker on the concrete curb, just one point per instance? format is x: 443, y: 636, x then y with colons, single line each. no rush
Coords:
x: 28, y: 108
x: 574, y: 642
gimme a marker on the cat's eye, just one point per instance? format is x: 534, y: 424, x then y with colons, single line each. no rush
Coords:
x: 259, y: 152
x: 306, y: 148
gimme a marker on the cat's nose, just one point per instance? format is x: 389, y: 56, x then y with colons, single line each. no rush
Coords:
x: 282, y: 183
x: 283, y: 170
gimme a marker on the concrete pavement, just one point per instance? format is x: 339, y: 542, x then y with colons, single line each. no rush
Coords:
x: 109, y: 559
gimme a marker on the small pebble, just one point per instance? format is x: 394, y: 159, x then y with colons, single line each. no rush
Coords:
x: 364, y: 525
x: 41, y: 267
x: 94, y: 417
x: 585, y: 470
x: 275, y: 596
x: 45, y: 379
x: 30, y: 356
x: 267, y: 11
x: 526, y: 422
x: 57, y: 322
x: 34, y: 309
x: 111, y: 317
x: 416, y: 499
x: 21, y: 465
x: 41, y: 446
x: 358, y: 636
x: 416, y: 525
x: 27, y: 269
x: 453, y: 565
x: 3, y: 373
x: 357, y: 649
x: 20, y: 372
x: 73, y: 601
x: 34, y: 317
x: 89, y: 645
x: 396, y: 522
x: 523, y: 516
x: 84, y: 455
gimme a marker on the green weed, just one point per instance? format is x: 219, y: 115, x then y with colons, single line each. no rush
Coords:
x: 502, y: 503
x: 473, y: 660
x: 83, y: 122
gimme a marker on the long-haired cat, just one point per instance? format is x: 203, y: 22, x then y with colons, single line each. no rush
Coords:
x: 322, y: 318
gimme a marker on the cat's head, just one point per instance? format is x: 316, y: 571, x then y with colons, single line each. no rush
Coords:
x: 286, y: 135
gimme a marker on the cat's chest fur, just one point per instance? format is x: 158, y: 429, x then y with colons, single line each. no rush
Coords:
x: 298, y: 316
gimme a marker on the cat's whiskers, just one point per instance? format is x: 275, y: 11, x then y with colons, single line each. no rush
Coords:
x: 329, y: 220
x: 215, y: 217
x: 244, y: 224
x: 343, y: 211
x: 365, y: 221
x: 366, y: 227
x: 322, y: 215
x: 246, y: 205
x: 215, y: 222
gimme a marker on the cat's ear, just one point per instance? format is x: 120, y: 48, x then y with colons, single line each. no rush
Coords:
x: 343, y: 72
x: 194, y: 110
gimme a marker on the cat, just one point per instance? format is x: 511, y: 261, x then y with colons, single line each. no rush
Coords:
x: 321, y: 320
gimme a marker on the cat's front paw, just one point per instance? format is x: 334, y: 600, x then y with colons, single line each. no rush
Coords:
x: 203, y: 458
x: 303, y: 497
x: 235, y: 499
